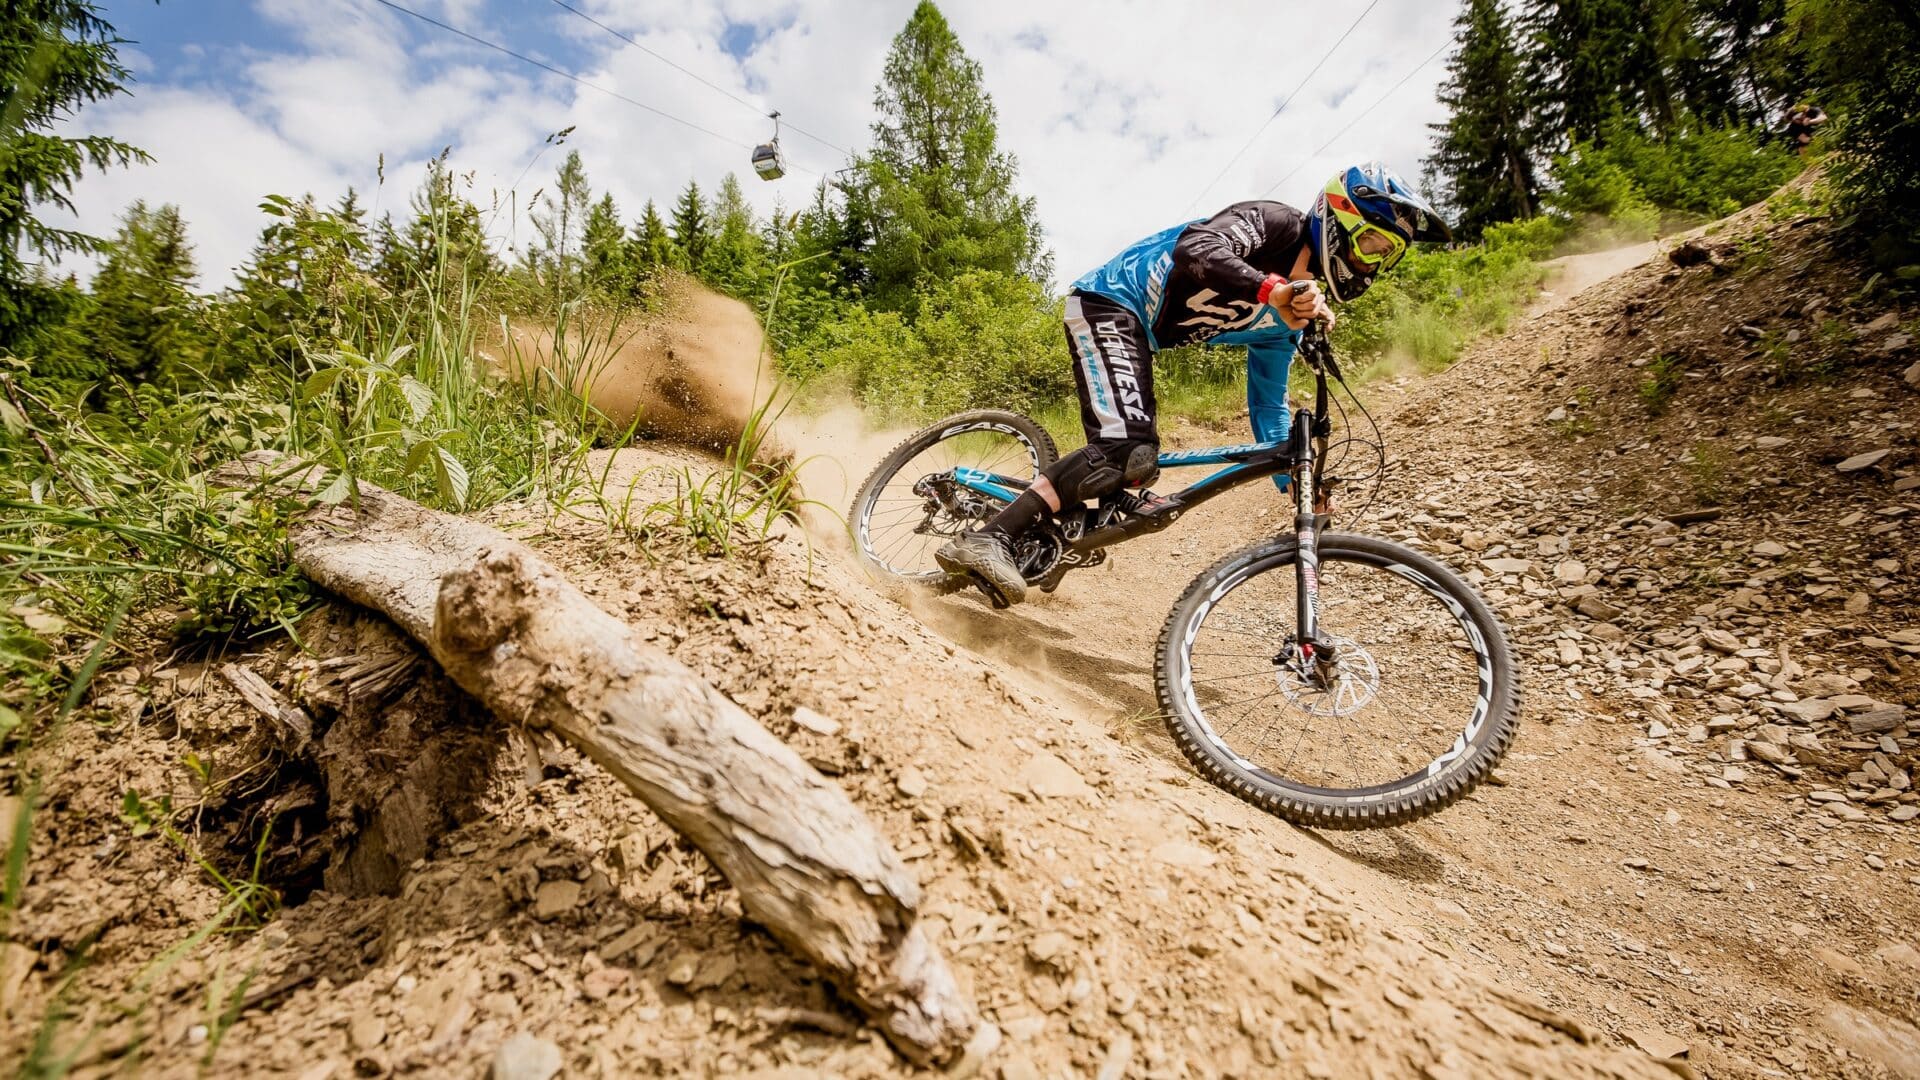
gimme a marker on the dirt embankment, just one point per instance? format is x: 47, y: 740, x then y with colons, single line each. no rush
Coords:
x: 1681, y: 867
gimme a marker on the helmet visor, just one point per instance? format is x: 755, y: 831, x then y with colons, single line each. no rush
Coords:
x: 1376, y: 248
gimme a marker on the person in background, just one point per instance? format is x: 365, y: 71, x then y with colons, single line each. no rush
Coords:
x: 1801, y: 122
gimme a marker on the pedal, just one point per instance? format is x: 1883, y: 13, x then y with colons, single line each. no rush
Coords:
x: 1143, y: 504
x: 994, y: 596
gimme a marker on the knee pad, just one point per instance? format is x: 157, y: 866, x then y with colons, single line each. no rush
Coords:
x: 1093, y: 471
x: 1143, y: 465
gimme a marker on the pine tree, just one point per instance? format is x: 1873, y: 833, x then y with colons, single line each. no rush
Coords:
x: 603, y: 241
x: 55, y: 57
x: 1693, y: 40
x: 352, y: 216
x: 301, y: 291
x: 653, y: 245
x: 737, y: 254
x: 1654, y: 66
x: 1577, y: 54
x: 691, y: 236
x: 144, y: 317
x: 777, y: 236
x: 1484, y: 153
x: 444, y: 244
x: 1753, y: 29
x: 1860, y: 65
x: 937, y: 189
x: 558, y: 221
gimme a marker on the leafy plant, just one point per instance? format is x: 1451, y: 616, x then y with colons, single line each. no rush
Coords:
x: 1859, y: 54
x: 1662, y: 381
x: 1698, y: 169
x: 1578, y: 423
x: 1706, y: 466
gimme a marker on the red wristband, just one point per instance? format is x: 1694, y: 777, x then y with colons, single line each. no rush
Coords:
x: 1266, y: 287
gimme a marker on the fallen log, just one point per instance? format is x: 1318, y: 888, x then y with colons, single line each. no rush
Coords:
x: 520, y: 638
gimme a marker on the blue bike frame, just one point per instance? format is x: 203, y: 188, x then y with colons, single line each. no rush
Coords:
x: 1300, y: 458
x: 1006, y: 488
x: 1244, y: 463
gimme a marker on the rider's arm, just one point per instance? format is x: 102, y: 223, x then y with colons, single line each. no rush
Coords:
x: 1267, y: 367
x: 1217, y: 251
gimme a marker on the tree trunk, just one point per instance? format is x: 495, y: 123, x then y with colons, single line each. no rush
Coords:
x: 514, y: 633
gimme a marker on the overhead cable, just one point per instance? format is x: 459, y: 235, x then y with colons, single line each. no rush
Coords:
x: 1255, y: 137
x: 571, y: 77
x: 1349, y: 125
x: 697, y: 77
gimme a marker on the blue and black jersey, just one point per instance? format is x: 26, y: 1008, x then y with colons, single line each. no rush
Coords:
x: 1200, y: 283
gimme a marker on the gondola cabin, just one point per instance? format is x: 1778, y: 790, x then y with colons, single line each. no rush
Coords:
x: 768, y: 162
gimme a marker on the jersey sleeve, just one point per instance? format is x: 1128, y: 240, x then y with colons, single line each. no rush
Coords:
x: 1221, y: 251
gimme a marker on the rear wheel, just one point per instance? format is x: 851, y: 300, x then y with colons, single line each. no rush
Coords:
x: 910, y: 505
x: 1414, y: 709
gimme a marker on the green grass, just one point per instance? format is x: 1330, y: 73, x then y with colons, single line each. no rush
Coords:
x: 1662, y: 381
x: 1706, y: 467
x: 741, y: 503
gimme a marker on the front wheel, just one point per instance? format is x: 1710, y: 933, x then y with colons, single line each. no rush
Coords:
x: 1416, y: 707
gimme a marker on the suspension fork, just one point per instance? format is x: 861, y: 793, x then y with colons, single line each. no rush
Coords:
x: 1317, y: 659
x: 1306, y: 566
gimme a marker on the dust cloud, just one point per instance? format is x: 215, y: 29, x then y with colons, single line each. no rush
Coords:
x: 692, y: 371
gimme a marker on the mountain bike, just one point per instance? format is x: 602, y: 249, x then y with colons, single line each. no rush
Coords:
x: 1333, y: 679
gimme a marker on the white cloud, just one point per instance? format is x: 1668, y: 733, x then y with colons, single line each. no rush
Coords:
x: 1119, y: 112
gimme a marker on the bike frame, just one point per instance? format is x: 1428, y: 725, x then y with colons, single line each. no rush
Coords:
x: 1302, y: 458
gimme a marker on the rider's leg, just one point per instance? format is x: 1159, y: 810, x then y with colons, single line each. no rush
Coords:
x: 1113, y: 374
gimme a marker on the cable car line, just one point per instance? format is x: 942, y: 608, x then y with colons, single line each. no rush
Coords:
x: 1255, y: 137
x: 542, y: 65
x: 697, y: 77
x: 1349, y: 125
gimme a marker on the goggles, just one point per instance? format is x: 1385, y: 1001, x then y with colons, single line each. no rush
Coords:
x: 1376, y: 248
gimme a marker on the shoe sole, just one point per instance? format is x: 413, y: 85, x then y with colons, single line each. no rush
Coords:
x: 1008, y: 595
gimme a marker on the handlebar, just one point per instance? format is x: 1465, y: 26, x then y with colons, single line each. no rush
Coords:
x: 1316, y: 351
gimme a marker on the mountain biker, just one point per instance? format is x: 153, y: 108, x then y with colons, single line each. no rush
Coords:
x: 1245, y: 276
x: 1800, y: 123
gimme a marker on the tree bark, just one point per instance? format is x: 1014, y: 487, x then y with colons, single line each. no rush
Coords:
x: 514, y: 633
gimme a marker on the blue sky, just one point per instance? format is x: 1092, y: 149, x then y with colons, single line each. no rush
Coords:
x: 1120, y: 112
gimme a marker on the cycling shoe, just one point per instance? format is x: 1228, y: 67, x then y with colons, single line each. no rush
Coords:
x: 988, y: 555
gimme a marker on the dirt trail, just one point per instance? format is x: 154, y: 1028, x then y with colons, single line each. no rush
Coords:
x: 1627, y: 873
x: 1570, y: 275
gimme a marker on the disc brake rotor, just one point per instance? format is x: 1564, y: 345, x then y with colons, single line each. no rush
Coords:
x: 1355, y: 682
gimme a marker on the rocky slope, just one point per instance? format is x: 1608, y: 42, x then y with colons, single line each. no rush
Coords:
x: 1697, y: 855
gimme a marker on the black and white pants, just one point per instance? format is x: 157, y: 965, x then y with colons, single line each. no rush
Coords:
x: 1113, y: 370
